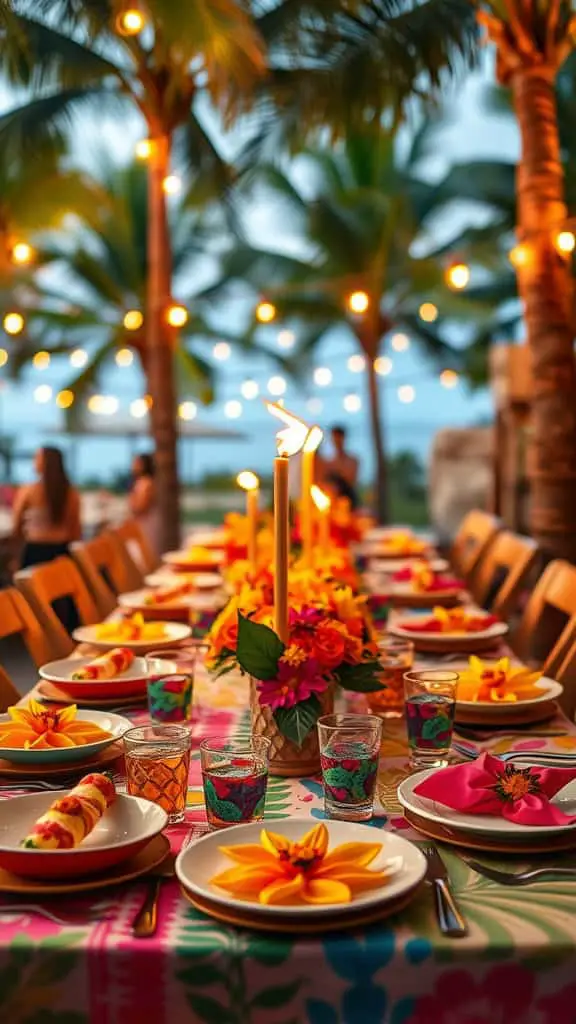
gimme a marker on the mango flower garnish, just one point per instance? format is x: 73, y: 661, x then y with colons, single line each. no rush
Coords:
x: 497, y: 681
x: 34, y: 727
x: 279, y: 871
x: 422, y: 576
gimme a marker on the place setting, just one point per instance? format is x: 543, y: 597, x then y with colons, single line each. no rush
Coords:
x: 459, y: 629
x: 133, y: 632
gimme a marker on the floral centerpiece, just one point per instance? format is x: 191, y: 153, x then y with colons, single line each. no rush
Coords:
x: 236, y: 530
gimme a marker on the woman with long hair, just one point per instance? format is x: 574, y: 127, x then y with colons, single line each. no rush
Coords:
x: 142, y: 498
x: 47, y: 512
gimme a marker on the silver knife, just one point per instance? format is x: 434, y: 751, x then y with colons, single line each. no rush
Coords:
x: 449, y: 917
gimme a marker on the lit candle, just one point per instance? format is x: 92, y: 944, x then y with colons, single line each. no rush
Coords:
x: 290, y: 440
x: 306, y: 505
x: 323, y: 503
x: 250, y: 483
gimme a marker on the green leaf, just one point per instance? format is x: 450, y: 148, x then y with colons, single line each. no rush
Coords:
x: 208, y: 1010
x: 259, y: 649
x: 278, y: 995
x: 297, y: 722
x: 201, y: 974
x: 268, y: 951
x: 362, y: 678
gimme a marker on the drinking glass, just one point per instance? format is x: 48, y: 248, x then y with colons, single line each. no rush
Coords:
x: 157, y: 766
x: 349, y: 753
x: 171, y: 685
x: 396, y: 656
x: 430, y: 702
x: 235, y: 777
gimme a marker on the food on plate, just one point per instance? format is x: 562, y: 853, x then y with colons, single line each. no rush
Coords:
x: 168, y: 595
x: 35, y: 727
x: 451, y: 620
x: 71, y: 818
x: 106, y: 666
x: 497, y: 682
x: 130, y: 630
x: 401, y: 543
x: 279, y: 871
x: 425, y: 580
x: 201, y: 556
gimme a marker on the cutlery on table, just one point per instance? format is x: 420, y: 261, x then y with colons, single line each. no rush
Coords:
x: 468, y: 733
x: 521, y: 877
x: 146, y: 920
x: 449, y: 918
x: 550, y: 758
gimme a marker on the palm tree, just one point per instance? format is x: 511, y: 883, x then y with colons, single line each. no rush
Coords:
x: 98, y: 285
x: 356, y: 234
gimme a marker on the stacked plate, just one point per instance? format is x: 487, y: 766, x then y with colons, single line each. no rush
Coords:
x: 124, y: 688
x: 483, y: 831
x: 197, y: 864
x: 173, y: 633
x: 177, y: 610
x: 443, y: 643
x: 512, y: 713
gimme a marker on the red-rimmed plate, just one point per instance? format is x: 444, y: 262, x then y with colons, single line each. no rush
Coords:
x: 131, y: 683
x: 126, y: 827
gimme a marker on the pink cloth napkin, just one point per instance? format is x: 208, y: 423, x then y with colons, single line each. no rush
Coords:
x: 489, y: 786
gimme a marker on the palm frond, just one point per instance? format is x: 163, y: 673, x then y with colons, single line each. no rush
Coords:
x: 38, y: 55
x: 43, y: 121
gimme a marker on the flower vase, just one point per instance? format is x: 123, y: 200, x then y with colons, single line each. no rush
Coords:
x: 286, y: 758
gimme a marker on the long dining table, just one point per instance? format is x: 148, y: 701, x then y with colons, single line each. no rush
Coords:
x: 515, y: 966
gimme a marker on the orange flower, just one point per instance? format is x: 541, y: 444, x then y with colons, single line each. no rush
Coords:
x: 35, y: 728
x: 282, y: 872
x: 329, y: 644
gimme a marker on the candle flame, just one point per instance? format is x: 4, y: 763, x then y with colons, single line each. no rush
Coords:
x: 293, y: 437
x: 248, y: 480
x: 320, y: 498
x: 314, y: 439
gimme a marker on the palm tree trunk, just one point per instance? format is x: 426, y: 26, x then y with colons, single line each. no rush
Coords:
x: 160, y: 341
x: 376, y: 428
x: 545, y: 286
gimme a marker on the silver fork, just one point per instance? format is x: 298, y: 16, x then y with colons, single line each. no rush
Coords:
x: 536, y: 757
x: 520, y: 877
x: 40, y: 785
x: 195, y: 832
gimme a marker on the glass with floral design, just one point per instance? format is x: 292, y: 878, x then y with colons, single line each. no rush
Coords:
x: 349, y: 754
x: 235, y: 779
x: 430, y: 697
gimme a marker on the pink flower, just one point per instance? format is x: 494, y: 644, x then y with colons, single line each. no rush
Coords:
x: 293, y: 684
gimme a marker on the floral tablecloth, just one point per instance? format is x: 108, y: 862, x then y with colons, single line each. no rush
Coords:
x: 517, y: 966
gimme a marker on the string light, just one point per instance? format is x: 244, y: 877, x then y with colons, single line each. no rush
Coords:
x: 78, y: 358
x: 149, y: 401
x: 221, y: 351
x: 64, y: 399
x: 41, y: 361
x: 233, y: 409
x: 130, y: 22
x: 13, y: 323
x: 3, y: 357
x: 143, y: 149
x: 322, y: 376
x: 172, y: 185
x: 43, y: 393
x: 277, y: 386
x: 124, y: 357
x: 449, y: 378
x: 247, y: 480
x: 139, y: 408
x: 406, y: 393
x: 265, y: 312
x: 565, y: 242
x: 22, y: 253
x: 383, y: 366
x: 356, y: 364
x: 520, y: 256
x: 286, y: 339
x: 103, y: 405
x: 133, y: 320
x: 352, y: 403
x: 177, y: 315
x: 428, y: 312
x: 187, y: 410
x: 358, y: 302
x: 249, y: 389
x: 458, y: 276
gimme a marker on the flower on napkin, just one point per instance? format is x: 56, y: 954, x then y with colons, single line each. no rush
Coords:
x: 489, y: 786
x: 451, y: 620
x: 425, y: 580
x: 497, y: 681
x: 279, y: 871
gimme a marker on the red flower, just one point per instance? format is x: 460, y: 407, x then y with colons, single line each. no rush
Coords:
x: 329, y: 646
x: 504, y: 994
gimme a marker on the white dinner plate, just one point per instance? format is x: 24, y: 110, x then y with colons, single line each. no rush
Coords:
x: 210, y: 559
x: 199, y: 580
x: 61, y: 672
x: 493, y: 632
x: 481, y: 824
x: 550, y: 691
x: 174, y: 633
x: 197, y: 864
x: 114, y: 724
x: 388, y: 566
x: 203, y: 602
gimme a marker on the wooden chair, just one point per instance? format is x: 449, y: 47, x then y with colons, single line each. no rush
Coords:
x: 547, y: 628
x: 8, y: 693
x: 60, y: 600
x: 106, y: 569
x: 503, y: 571
x: 18, y: 619
x: 566, y: 674
x: 475, y: 533
x: 137, y: 544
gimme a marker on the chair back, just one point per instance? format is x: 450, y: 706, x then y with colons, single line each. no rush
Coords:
x: 18, y: 619
x: 137, y: 545
x: 548, y: 624
x: 476, y: 531
x: 503, y: 571
x: 106, y: 569
x: 59, y: 598
x: 8, y: 693
x: 565, y: 673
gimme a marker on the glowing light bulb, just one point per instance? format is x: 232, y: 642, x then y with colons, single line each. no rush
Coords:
x: 458, y: 276
x: 143, y: 149
x: 3, y: 357
x: 383, y: 366
x: 64, y: 399
x: 13, y: 323
x: 233, y: 409
x: 356, y: 364
x: 358, y: 302
x: 138, y: 408
x: 133, y: 320
x: 124, y: 357
x: 78, y: 358
x: 43, y: 393
x: 565, y: 242
x: 103, y: 405
x: 265, y: 312
x: 221, y: 351
x: 352, y: 403
x: 449, y: 378
x: 406, y: 393
x: 277, y: 386
x: 172, y: 185
x: 249, y: 389
x: 41, y: 361
x: 187, y: 410
x: 428, y: 312
x: 322, y: 376
x: 400, y: 342
x: 130, y: 22
x: 177, y: 316
x: 22, y: 253
x: 286, y: 339
x: 247, y: 480
x: 520, y: 256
